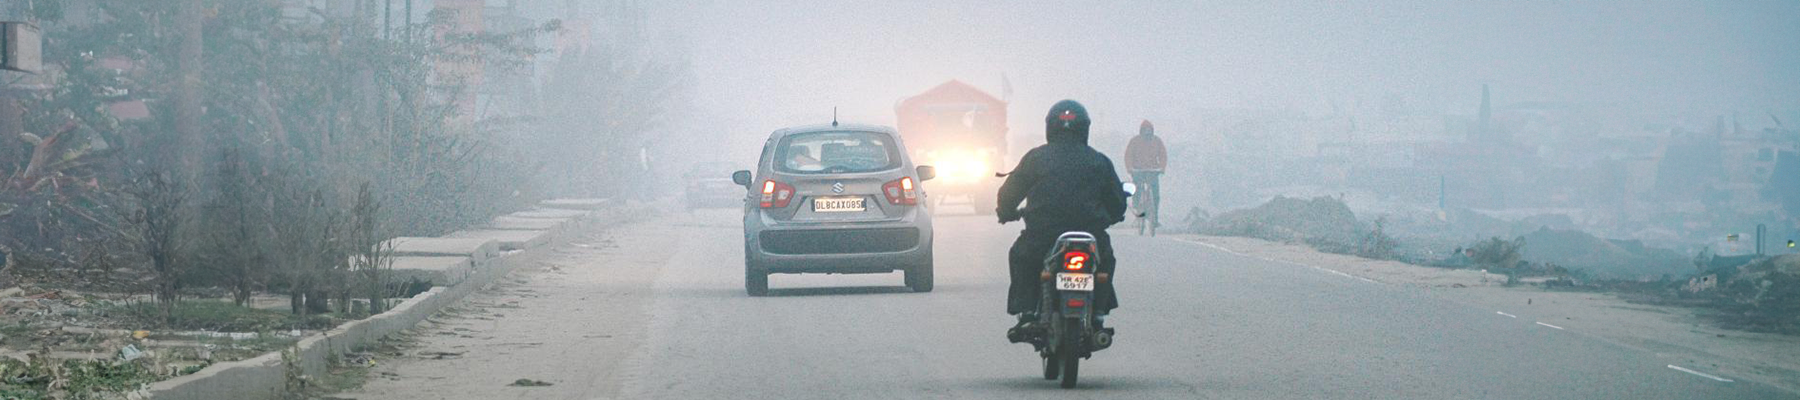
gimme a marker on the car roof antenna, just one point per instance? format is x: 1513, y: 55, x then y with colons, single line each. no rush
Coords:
x: 833, y: 115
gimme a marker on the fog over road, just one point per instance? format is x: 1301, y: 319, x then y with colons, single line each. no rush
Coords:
x: 656, y: 309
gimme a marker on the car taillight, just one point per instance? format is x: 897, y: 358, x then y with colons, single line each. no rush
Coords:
x: 776, y: 194
x: 901, y: 191
x: 1075, y: 260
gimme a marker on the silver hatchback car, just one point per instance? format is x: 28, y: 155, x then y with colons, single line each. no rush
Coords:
x: 835, y: 199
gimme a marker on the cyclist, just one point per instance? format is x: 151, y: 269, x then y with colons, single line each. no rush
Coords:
x: 1145, y: 159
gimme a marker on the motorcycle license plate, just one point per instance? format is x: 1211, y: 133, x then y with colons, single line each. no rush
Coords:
x: 1075, y: 282
x: 838, y: 204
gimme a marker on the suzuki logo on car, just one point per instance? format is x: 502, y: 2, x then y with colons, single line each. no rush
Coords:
x: 837, y: 187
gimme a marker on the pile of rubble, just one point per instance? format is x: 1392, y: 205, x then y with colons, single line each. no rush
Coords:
x: 1628, y: 259
x: 1290, y: 220
x: 1762, y: 295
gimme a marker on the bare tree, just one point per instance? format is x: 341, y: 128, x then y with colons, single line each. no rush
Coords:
x: 1500, y: 255
x: 372, y: 252
x: 235, y: 241
x: 161, y: 219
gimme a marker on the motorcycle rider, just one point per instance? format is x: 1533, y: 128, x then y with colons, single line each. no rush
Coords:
x: 1067, y: 186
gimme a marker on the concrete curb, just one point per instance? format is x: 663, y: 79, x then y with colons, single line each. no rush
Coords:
x: 265, y: 376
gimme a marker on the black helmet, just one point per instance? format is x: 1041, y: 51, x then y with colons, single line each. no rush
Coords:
x: 1067, y: 120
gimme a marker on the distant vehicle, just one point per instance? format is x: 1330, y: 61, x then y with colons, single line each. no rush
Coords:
x: 961, y: 130
x: 707, y: 187
x: 837, y: 200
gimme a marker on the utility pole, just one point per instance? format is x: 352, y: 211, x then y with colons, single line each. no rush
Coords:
x: 190, y: 143
x: 1443, y: 191
x: 1482, y: 128
x: 12, y: 123
x: 1761, y: 231
x: 21, y: 50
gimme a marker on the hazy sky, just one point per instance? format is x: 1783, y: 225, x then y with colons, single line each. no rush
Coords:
x: 765, y: 64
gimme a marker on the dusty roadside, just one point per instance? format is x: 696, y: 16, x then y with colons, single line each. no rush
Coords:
x: 519, y: 329
x: 1673, y: 333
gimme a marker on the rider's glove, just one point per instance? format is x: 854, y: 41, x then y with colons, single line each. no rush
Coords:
x: 1007, y: 215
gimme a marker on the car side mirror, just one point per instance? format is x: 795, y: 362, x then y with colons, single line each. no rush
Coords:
x: 742, y: 178
x: 927, y: 172
x: 1130, y: 188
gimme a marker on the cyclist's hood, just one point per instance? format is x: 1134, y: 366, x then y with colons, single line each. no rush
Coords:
x: 1146, y: 128
x: 1067, y: 123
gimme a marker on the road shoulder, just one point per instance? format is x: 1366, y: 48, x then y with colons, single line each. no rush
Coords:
x: 1673, y: 333
x: 568, y: 322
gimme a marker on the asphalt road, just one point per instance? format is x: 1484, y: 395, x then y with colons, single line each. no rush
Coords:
x: 1196, y: 322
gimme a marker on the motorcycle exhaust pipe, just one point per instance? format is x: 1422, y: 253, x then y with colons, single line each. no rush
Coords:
x: 1102, y: 340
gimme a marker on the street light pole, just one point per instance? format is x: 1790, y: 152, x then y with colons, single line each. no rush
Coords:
x: 21, y: 50
x: 190, y: 144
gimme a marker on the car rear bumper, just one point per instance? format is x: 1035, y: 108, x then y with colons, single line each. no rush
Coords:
x: 859, y: 263
x: 838, y: 241
x: 840, y: 248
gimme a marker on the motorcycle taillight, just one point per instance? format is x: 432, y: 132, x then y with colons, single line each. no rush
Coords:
x: 1075, y: 260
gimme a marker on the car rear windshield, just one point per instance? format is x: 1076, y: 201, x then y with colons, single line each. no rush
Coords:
x: 836, y: 153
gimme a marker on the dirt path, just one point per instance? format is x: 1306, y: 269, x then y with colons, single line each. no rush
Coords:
x: 570, y: 321
x: 1670, y: 332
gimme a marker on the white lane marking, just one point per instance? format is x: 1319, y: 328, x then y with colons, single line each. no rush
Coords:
x: 1319, y: 268
x: 1701, y: 374
x: 1215, y: 247
x: 1336, y: 272
x: 1549, y: 325
x: 1509, y: 315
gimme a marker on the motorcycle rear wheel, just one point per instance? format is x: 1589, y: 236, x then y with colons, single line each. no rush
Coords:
x: 1071, y: 369
x: 1069, y: 354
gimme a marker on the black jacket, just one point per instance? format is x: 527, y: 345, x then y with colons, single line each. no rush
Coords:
x: 1066, y: 185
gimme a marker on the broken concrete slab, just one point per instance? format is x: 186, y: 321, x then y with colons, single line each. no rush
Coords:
x: 478, y: 249
x: 506, y: 223
x: 576, y: 204
x: 508, y: 239
x: 81, y: 355
x: 26, y: 355
x: 440, y: 271
x: 552, y: 213
x: 266, y: 376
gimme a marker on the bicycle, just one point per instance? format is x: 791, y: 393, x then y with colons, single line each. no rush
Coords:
x: 1144, y: 203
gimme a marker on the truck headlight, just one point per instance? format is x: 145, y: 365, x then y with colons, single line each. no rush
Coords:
x: 958, y: 166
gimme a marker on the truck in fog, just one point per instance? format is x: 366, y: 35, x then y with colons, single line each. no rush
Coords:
x: 960, y: 130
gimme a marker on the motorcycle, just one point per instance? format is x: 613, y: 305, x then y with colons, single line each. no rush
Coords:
x: 1066, y: 330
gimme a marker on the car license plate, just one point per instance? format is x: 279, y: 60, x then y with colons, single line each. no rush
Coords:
x: 838, y: 204
x: 1075, y: 282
